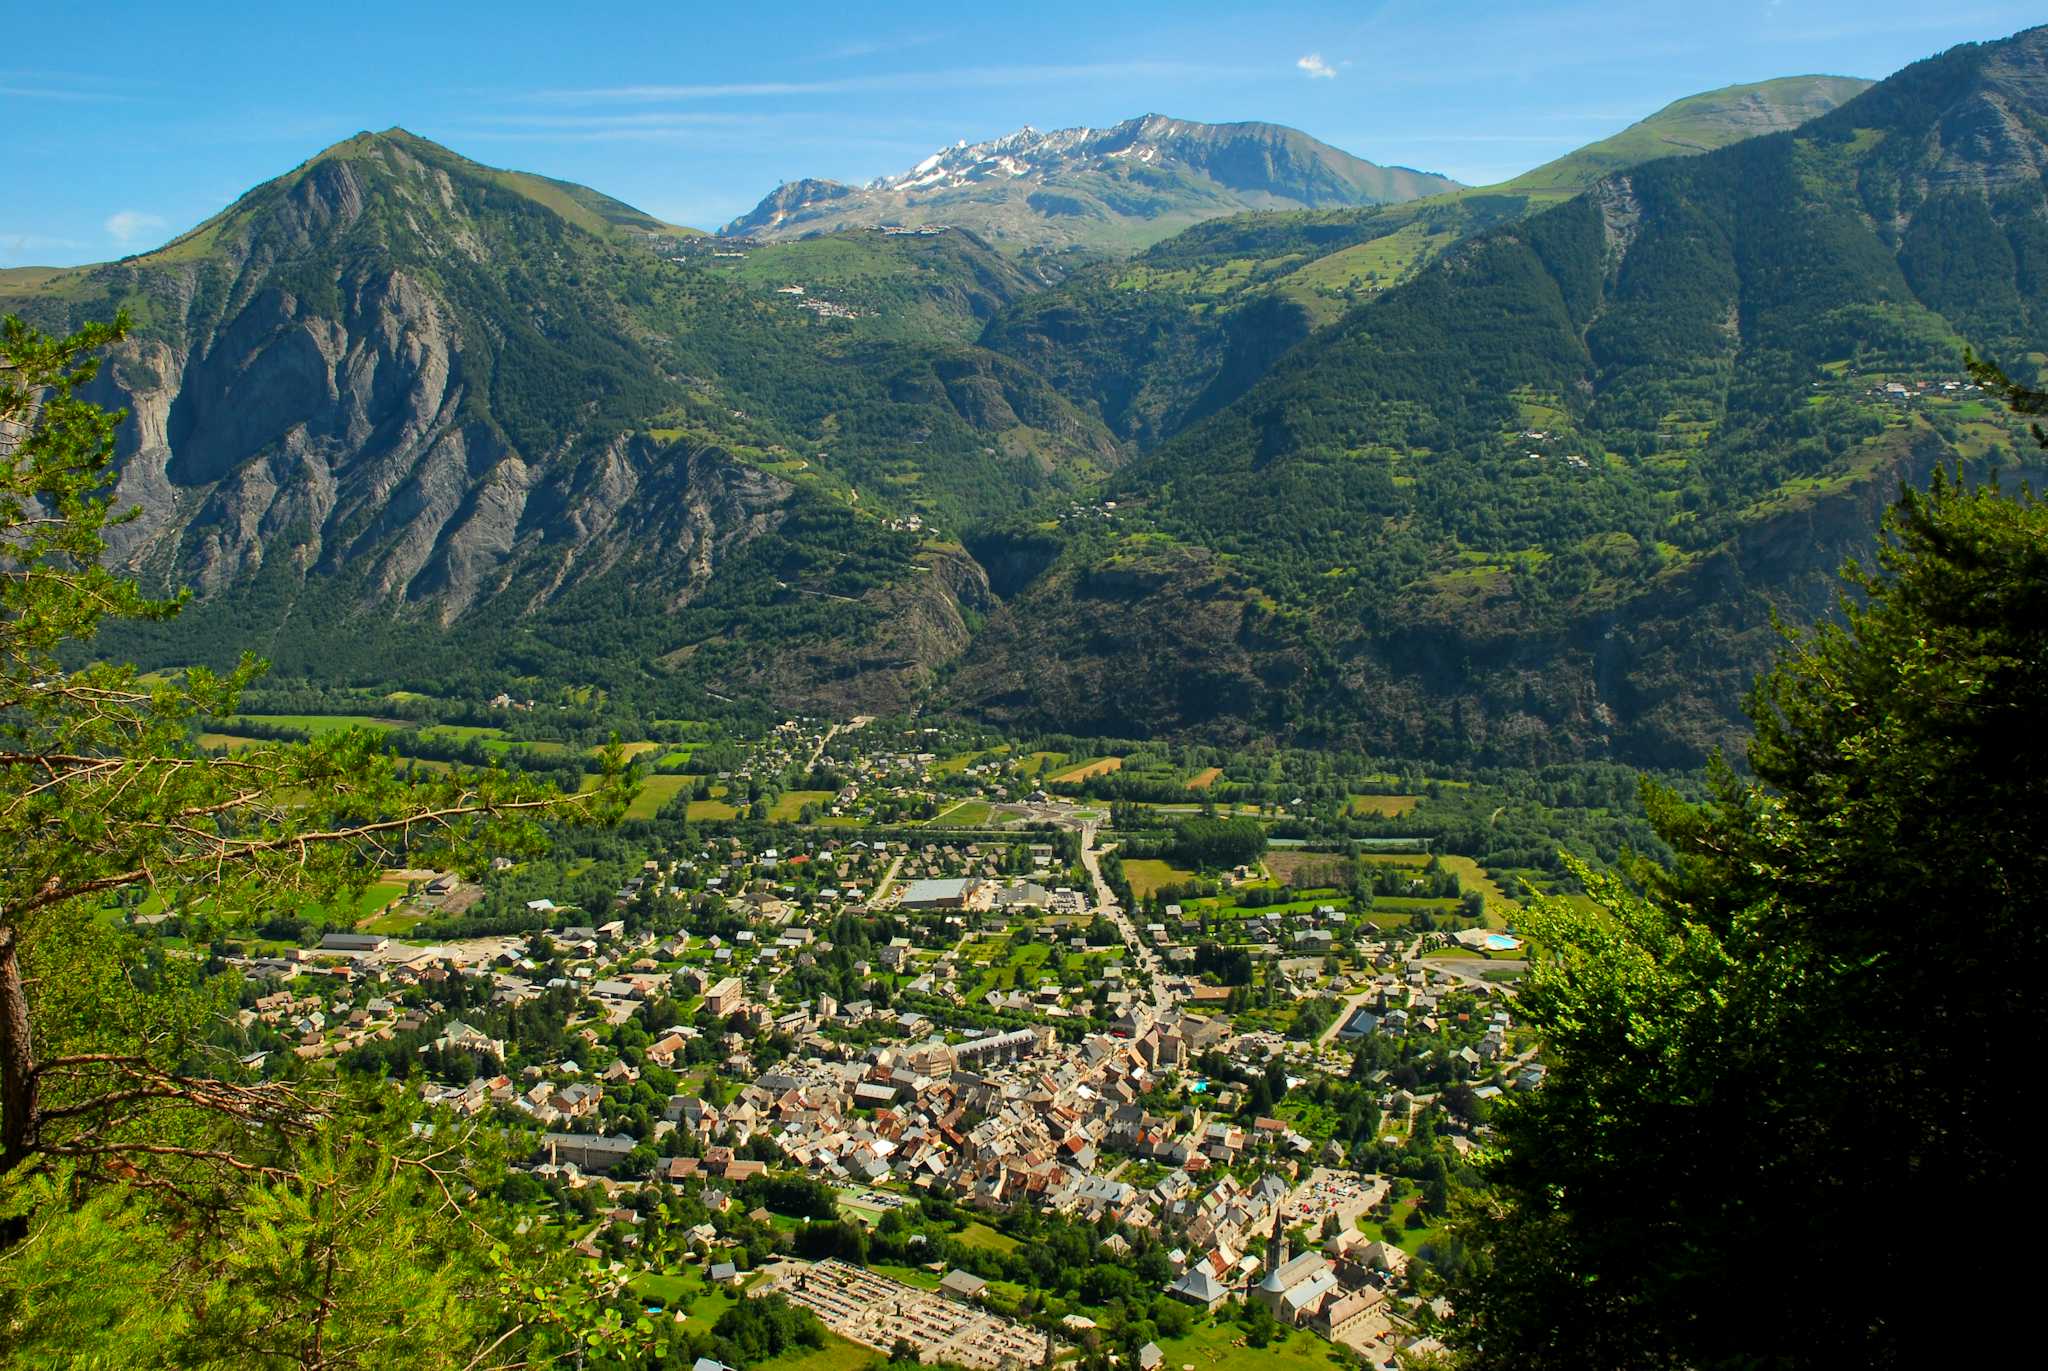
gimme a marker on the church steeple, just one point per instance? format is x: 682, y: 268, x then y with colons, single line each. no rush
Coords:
x: 1276, y: 1254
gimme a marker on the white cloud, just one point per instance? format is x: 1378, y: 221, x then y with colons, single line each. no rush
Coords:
x: 125, y: 226
x: 1317, y: 68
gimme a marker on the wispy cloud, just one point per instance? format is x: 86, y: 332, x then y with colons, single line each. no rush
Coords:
x: 126, y: 226
x: 874, y: 47
x: 1316, y: 68
x: 661, y: 120
x: 43, y: 91
x: 21, y: 249
x: 949, y: 78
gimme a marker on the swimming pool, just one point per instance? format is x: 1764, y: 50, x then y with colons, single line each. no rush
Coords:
x: 1501, y: 942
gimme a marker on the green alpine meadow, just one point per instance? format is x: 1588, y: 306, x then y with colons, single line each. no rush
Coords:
x: 1396, y: 727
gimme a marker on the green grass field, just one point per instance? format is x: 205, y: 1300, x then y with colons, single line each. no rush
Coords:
x: 1009, y: 966
x: 233, y: 742
x: 1473, y: 877
x: 909, y: 1275
x: 320, y: 725
x: 790, y: 803
x: 836, y: 1355
x: 1386, y: 806
x: 712, y: 809
x: 373, y: 900
x: 655, y: 792
x: 962, y: 814
x: 980, y: 1235
x: 1148, y: 874
x: 687, y: 1291
x: 1214, y: 1346
x: 460, y: 733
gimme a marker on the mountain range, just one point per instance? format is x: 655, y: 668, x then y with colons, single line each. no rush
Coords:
x: 1515, y: 473
x: 1115, y: 189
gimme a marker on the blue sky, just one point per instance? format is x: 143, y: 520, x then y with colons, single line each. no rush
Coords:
x: 131, y: 125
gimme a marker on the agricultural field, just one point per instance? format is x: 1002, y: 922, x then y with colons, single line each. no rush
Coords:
x: 1101, y: 766
x: 459, y: 733
x: 790, y: 803
x: 655, y: 792
x: 1205, y: 778
x: 320, y: 725
x: 233, y: 742
x: 1148, y: 874
x: 1385, y: 806
x: 1499, y: 908
x: 711, y: 810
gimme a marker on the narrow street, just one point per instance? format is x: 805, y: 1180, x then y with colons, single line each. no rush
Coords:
x: 1142, y: 956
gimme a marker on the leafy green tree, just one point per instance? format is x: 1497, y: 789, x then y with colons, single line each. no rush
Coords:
x: 255, y: 1221
x: 1768, y: 1057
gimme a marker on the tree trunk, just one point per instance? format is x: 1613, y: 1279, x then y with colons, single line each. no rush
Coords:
x: 18, y: 1085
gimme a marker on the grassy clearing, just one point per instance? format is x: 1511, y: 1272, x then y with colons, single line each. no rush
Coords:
x: 1386, y: 806
x: 233, y: 742
x: 687, y: 1291
x: 320, y: 725
x: 1011, y: 967
x: 836, y: 1355
x: 655, y: 792
x: 909, y: 1275
x: 1148, y: 874
x: 714, y: 809
x: 986, y: 1239
x: 964, y: 814
x: 460, y: 733
x: 1216, y: 1346
x: 374, y: 900
x: 1473, y: 876
x: 1412, y: 1239
x: 790, y: 803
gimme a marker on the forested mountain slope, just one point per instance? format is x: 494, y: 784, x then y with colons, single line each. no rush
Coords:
x: 1189, y: 325
x: 1541, y: 498
x: 396, y: 407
